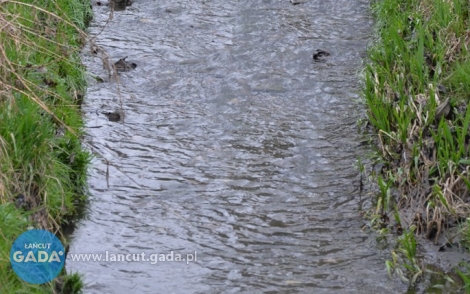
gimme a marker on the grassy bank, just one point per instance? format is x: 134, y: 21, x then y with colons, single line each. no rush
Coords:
x: 417, y: 88
x: 42, y: 163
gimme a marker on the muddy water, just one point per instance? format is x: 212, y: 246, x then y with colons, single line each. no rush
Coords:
x: 234, y: 144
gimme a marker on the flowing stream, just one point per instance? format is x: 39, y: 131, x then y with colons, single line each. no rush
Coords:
x: 233, y: 144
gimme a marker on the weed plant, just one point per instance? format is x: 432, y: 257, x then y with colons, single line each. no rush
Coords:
x: 417, y: 89
x: 42, y: 163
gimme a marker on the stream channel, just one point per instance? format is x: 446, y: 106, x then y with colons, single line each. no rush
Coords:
x: 233, y: 147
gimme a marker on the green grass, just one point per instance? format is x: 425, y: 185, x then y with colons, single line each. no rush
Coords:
x: 41, y: 158
x: 420, y: 61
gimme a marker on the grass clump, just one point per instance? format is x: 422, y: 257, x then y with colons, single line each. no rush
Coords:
x: 417, y: 89
x: 42, y: 163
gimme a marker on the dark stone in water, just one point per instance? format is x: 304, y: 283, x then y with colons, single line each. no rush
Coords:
x: 296, y: 2
x: 118, y: 3
x: 319, y: 54
x: 123, y: 2
x: 114, y: 116
x: 123, y: 65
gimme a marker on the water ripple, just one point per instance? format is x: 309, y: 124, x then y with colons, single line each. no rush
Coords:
x: 235, y: 144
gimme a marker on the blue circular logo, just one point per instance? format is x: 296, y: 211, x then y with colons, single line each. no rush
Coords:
x: 37, y: 256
